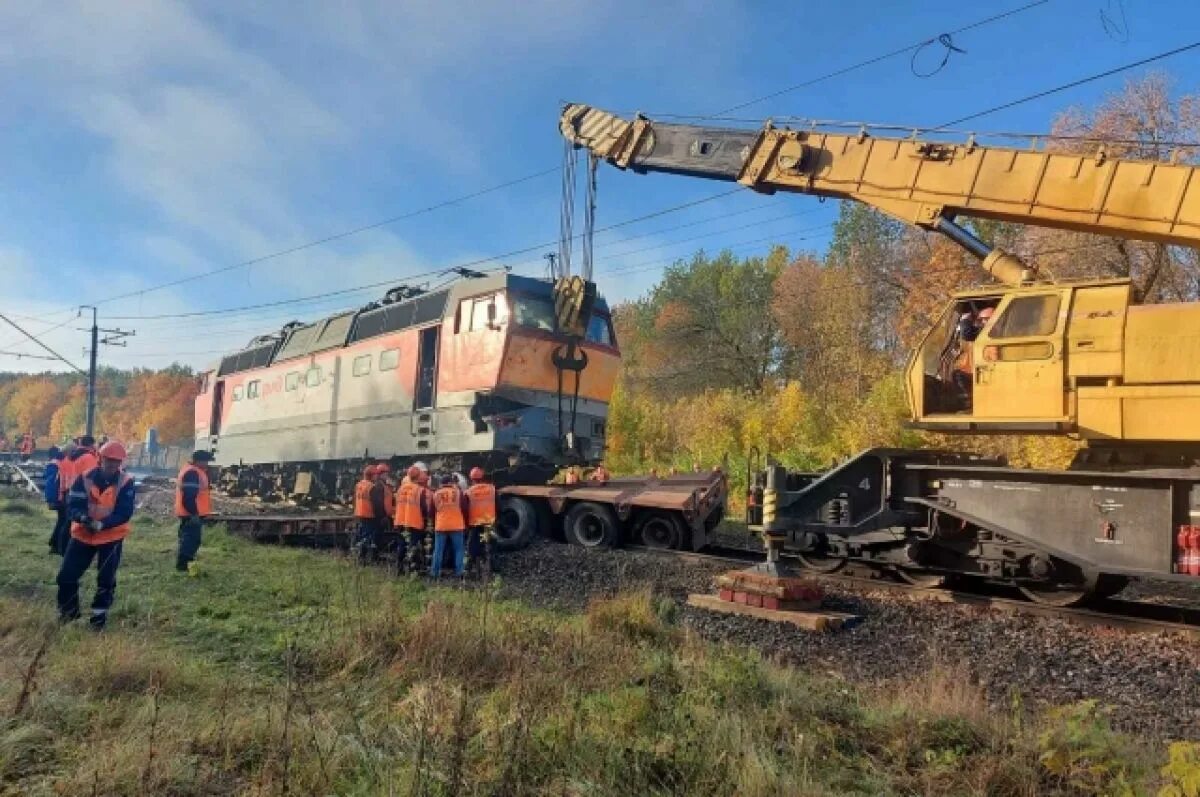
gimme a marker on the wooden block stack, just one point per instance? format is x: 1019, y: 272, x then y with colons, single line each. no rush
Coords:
x: 765, y: 591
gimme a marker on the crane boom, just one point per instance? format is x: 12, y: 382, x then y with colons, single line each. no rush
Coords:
x: 921, y: 182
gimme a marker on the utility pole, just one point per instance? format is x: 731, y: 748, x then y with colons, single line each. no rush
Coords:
x: 91, y: 399
x: 112, y: 337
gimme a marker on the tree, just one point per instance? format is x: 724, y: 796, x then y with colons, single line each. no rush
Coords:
x: 31, y: 406
x: 707, y: 325
x: 1141, y: 121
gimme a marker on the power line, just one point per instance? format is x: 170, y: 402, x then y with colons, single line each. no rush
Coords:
x: 1073, y: 84
x: 58, y: 356
x: 542, y: 173
x: 26, y: 355
x: 468, y: 264
x: 892, y: 54
x: 330, y: 238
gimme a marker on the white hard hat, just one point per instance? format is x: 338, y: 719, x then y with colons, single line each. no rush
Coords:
x: 422, y: 466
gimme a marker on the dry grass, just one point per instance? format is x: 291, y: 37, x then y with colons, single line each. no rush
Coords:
x: 290, y: 672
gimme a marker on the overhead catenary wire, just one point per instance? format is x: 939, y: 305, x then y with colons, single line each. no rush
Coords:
x: 469, y: 264
x: 535, y: 264
x: 883, y: 57
x: 57, y: 356
x: 541, y: 173
x: 1073, y: 84
x: 263, y: 324
x: 329, y: 238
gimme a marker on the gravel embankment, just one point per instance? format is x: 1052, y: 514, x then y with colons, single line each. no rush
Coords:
x: 1151, y: 681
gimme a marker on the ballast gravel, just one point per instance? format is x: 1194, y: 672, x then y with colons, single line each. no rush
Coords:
x: 1150, y: 681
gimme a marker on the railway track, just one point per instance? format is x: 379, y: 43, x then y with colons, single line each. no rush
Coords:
x: 1122, y: 615
x: 329, y: 529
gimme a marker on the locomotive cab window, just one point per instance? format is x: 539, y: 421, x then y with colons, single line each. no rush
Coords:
x: 313, y: 377
x: 533, y: 313
x: 291, y: 381
x: 362, y: 365
x: 252, y: 389
x: 599, y: 330
x: 389, y: 359
x: 237, y: 393
x: 482, y: 312
x: 1028, y: 316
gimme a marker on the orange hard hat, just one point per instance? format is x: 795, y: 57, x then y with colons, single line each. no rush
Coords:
x: 383, y: 467
x: 113, y: 450
x: 414, y: 473
x: 368, y: 471
x: 476, y: 474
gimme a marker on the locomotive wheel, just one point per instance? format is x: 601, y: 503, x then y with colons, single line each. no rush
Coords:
x: 1055, y: 594
x: 819, y: 563
x: 920, y: 578
x: 661, y: 530
x: 592, y: 526
x: 516, y: 523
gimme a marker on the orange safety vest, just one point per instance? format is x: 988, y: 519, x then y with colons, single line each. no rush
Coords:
x: 447, y: 510
x: 409, y: 500
x: 482, y: 511
x: 83, y: 464
x: 362, y: 499
x: 203, y: 497
x: 100, y: 505
x: 66, y: 477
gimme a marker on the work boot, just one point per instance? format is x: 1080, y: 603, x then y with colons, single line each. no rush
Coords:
x: 98, y: 620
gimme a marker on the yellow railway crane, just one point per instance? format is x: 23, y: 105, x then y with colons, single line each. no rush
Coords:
x: 1081, y: 358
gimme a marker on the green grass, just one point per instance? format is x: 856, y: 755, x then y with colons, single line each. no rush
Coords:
x: 278, y: 670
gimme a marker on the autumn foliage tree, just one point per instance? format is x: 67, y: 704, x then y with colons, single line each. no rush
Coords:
x: 54, y: 406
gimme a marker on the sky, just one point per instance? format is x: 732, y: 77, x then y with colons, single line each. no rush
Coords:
x: 149, y: 141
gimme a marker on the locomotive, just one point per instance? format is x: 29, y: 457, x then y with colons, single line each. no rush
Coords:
x: 479, y: 372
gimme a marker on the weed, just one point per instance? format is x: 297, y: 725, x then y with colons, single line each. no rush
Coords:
x: 292, y: 671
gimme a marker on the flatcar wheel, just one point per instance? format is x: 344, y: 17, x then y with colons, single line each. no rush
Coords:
x: 819, y: 563
x: 1055, y: 594
x: 660, y: 530
x: 592, y: 525
x: 921, y: 578
x: 516, y: 523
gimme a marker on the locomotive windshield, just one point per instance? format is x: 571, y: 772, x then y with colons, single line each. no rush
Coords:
x: 538, y: 313
x: 534, y: 313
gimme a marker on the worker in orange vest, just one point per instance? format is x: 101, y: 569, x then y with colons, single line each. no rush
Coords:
x: 412, y: 514
x: 481, y: 520
x: 27, y: 445
x: 100, y: 504
x: 193, y: 503
x: 450, y: 511
x: 373, y: 506
x: 81, y: 460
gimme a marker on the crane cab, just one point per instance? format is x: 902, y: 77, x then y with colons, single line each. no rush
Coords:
x: 1073, y: 357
